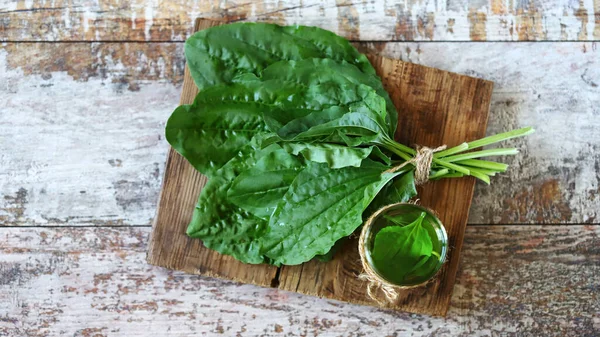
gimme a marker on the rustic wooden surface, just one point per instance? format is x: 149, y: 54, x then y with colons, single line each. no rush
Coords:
x: 392, y: 20
x: 437, y: 107
x: 93, y: 281
x: 82, y: 157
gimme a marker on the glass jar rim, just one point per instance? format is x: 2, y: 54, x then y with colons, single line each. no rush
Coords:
x: 438, y: 227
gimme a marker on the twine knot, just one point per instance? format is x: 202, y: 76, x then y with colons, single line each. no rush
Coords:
x: 422, y: 162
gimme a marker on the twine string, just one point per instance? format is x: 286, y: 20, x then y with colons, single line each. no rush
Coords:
x: 422, y: 162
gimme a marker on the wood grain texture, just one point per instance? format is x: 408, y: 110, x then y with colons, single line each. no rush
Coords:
x: 435, y: 107
x: 513, y: 281
x: 77, y: 166
x: 429, y: 20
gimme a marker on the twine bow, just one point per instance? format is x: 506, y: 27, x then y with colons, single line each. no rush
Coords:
x: 422, y: 162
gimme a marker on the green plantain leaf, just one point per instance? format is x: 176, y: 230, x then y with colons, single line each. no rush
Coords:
x: 217, y: 54
x: 331, y: 253
x: 334, y: 155
x: 211, y: 131
x: 223, y: 226
x: 315, y: 71
x: 260, y: 188
x: 355, y: 121
x: 223, y: 119
x: 321, y: 206
x: 400, y: 250
x: 424, y: 269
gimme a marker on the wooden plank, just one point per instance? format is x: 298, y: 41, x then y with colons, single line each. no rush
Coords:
x: 81, y: 167
x: 436, y: 107
x: 169, y: 246
x: 81, y: 131
x: 513, y: 280
x: 453, y: 20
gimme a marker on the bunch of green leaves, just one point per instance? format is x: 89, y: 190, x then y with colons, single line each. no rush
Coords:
x: 295, y: 132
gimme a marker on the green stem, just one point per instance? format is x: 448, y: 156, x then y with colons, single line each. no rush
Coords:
x: 485, y: 141
x: 481, y: 176
x: 453, y: 163
x: 491, y: 165
x: 403, y: 148
x: 439, y: 173
x: 396, y: 148
x: 451, y: 166
x: 392, y: 147
x: 457, y: 149
x: 485, y: 171
x: 451, y: 175
x: 501, y: 137
x: 483, y: 153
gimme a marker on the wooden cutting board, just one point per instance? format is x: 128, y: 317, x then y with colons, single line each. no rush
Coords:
x: 435, y: 107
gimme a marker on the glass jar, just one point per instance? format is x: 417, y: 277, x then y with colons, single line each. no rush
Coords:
x: 407, y: 213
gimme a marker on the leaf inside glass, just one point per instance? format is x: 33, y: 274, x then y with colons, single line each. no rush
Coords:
x: 403, y: 251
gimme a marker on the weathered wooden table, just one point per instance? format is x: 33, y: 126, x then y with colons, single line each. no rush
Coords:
x: 85, y: 90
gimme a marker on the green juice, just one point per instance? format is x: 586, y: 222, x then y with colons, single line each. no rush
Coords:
x: 406, y: 245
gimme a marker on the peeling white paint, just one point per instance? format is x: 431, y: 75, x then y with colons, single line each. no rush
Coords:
x: 86, y: 17
x: 58, y: 137
x: 148, y: 17
x: 28, y: 3
x: 67, y: 18
x: 8, y: 6
x: 376, y: 20
x: 58, y: 281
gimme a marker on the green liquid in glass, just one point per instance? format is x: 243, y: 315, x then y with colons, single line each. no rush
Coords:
x: 396, y: 270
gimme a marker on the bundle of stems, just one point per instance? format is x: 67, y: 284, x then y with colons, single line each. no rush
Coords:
x: 462, y: 160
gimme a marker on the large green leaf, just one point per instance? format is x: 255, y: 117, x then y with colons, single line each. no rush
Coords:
x: 220, y: 224
x: 321, y: 206
x: 400, y: 250
x: 222, y: 119
x: 334, y: 155
x: 338, y: 86
x: 211, y: 131
x: 215, y: 55
x: 356, y: 123
x: 353, y: 123
x: 331, y: 253
x: 260, y: 188
x: 312, y: 72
